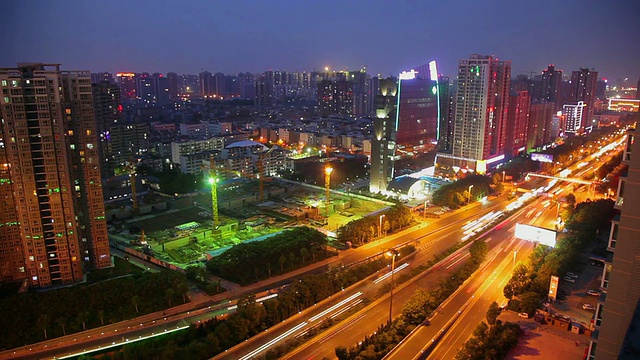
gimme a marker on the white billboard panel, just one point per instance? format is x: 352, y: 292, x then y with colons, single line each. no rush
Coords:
x: 536, y: 234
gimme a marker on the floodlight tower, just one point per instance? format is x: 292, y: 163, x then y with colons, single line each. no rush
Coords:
x: 213, y: 180
x: 327, y: 186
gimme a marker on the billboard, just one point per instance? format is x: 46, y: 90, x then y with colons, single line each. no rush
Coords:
x: 548, y: 158
x: 553, y: 288
x: 536, y: 234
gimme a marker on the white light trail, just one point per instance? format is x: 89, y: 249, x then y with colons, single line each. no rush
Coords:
x: 273, y: 341
x: 341, y: 303
x: 383, y: 277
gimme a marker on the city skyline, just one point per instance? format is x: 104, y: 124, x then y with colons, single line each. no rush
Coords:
x: 291, y: 36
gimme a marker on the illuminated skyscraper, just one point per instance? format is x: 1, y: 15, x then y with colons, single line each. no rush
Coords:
x: 480, y: 114
x: 417, y: 112
x: 127, y: 83
x: 383, y: 144
x: 517, y: 122
x: 52, y: 211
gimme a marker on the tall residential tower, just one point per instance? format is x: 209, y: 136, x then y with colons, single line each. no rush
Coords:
x: 52, y: 223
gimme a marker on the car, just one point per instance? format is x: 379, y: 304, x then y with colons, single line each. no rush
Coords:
x: 572, y: 275
x: 588, y: 307
x: 523, y: 315
x: 569, y: 279
x: 593, y: 292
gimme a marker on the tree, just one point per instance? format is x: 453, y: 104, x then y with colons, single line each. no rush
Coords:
x: 292, y: 258
x: 101, y: 316
x: 304, y: 253
x: 414, y: 310
x: 43, y: 323
x: 168, y: 295
x: 135, y: 300
x: 386, y: 226
x: 61, y: 321
x: 481, y: 331
x: 282, y: 261
x: 492, y: 313
x: 342, y: 353
x: 83, y: 316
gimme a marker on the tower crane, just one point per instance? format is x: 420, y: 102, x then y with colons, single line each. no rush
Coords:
x: 213, y: 180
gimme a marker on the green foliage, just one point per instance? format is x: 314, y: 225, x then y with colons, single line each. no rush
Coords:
x: 530, y: 281
x: 457, y: 194
x: 415, y: 311
x: 363, y: 230
x: 252, y: 261
x: 214, y: 336
x: 85, y: 306
x: 490, y: 342
x: 174, y: 181
x: 492, y: 313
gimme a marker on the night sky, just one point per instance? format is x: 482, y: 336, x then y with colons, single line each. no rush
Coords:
x: 387, y: 36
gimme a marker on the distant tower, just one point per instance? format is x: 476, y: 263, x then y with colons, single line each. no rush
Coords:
x: 52, y: 211
x: 551, y: 85
x: 582, y: 88
x: 383, y: 144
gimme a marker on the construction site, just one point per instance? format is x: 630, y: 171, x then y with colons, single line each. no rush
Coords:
x: 185, y: 229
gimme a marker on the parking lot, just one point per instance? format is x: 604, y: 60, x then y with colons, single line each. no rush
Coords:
x: 572, y: 305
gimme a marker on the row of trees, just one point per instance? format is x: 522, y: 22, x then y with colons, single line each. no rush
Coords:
x: 249, y: 262
x: 414, y: 312
x: 491, y: 339
x: 34, y: 317
x: 363, y: 230
x: 214, y: 336
x: 457, y: 194
x: 530, y: 280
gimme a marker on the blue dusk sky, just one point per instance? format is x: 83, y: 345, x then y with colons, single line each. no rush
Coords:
x: 387, y: 36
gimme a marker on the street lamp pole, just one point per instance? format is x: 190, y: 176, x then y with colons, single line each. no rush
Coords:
x: 380, y: 227
x: 503, y: 176
x: 393, y: 254
x: 515, y: 253
x: 469, y: 199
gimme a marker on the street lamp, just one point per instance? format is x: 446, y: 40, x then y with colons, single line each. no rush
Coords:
x: 393, y: 253
x: 503, y: 176
x: 515, y: 253
x: 380, y: 226
x: 469, y: 199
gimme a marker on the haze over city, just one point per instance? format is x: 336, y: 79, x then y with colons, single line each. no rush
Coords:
x: 386, y: 36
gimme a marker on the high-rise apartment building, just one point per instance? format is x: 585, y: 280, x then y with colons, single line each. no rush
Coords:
x: 335, y: 97
x: 108, y: 108
x: 102, y: 76
x: 582, y: 88
x: 128, y: 86
x: 383, y: 144
x: 621, y: 276
x: 53, y: 217
x: 481, y: 110
x: 517, y: 122
x: 173, y: 85
x: 539, y: 129
x: 573, y: 117
x: 552, y: 86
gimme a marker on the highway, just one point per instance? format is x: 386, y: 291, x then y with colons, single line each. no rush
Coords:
x: 467, y: 308
x: 352, y: 330
x: 437, y: 235
x: 431, y: 242
x: 151, y: 324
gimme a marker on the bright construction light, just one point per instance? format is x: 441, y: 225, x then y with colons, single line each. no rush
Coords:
x: 213, y: 180
x: 328, y: 170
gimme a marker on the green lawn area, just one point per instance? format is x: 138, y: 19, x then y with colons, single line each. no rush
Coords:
x: 122, y: 267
